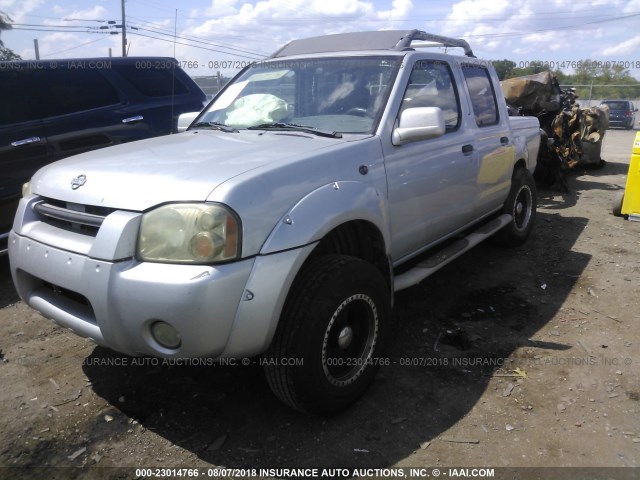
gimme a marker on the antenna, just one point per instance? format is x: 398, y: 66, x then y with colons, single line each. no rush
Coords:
x: 175, y: 33
x: 124, y: 31
x: 173, y: 72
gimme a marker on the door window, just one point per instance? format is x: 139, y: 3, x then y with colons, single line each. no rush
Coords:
x: 153, y: 82
x: 483, y: 97
x: 431, y: 85
x: 70, y: 91
x: 16, y: 97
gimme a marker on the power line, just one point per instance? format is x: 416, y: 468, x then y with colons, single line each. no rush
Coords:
x: 160, y: 31
x: 59, y: 31
x: 567, y: 27
x: 73, y: 48
x: 193, y: 46
x: 52, y: 26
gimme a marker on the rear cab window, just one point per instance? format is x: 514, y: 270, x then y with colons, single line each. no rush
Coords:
x: 481, y: 93
x: 618, y: 105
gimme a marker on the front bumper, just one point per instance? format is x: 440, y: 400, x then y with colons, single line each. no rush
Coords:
x: 94, y: 286
x: 115, y: 303
x: 620, y: 121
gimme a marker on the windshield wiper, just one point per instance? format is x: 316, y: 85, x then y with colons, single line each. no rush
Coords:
x: 215, y: 126
x: 297, y: 128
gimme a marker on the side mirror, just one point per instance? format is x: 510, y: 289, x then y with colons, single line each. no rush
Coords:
x: 419, y: 123
x: 185, y: 119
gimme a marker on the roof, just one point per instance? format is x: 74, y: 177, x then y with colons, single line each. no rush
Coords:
x: 376, y: 40
x: 62, y: 62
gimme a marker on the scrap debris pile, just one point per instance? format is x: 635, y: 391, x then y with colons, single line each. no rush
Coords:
x: 572, y: 135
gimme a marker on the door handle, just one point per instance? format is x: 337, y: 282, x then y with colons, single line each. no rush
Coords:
x: 504, y: 140
x: 26, y: 141
x: 137, y: 118
x: 467, y: 149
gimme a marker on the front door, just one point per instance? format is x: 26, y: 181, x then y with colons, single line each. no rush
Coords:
x: 431, y: 183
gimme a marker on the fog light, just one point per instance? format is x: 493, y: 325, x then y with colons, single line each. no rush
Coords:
x: 165, y: 335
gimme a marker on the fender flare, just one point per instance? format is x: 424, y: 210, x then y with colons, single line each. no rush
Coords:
x: 324, y: 209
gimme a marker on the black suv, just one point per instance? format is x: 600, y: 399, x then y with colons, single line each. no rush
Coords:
x: 622, y: 113
x: 57, y: 108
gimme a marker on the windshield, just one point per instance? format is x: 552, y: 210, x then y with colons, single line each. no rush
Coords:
x: 334, y: 95
x: 617, y: 105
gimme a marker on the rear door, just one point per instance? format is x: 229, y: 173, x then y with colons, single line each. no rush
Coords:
x: 493, y: 142
x: 83, y: 110
x: 158, y: 91
x: 23, y: 144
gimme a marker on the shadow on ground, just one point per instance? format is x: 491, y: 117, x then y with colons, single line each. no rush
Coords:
x: 484, y: 305
x: 8, y: 294
x: 579, y: 180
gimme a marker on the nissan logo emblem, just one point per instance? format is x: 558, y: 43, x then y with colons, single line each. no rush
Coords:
x: 79, y: 181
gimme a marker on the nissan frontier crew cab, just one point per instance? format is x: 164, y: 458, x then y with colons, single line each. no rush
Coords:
x: 277, y: 223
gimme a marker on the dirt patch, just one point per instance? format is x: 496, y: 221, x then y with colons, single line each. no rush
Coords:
x: 519, y: 357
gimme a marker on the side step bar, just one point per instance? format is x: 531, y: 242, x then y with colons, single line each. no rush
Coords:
x: 438, y: 260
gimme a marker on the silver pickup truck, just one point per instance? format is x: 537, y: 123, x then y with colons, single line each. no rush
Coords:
x: 276, y: 224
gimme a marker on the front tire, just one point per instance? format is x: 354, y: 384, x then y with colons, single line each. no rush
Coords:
x: 331, y: 334
x: 521, y: 205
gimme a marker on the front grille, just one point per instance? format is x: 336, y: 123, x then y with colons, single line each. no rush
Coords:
x: 80, y: 300
x: 84, y: 219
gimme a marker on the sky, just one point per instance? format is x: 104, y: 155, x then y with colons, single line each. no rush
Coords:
x: 211, y: 35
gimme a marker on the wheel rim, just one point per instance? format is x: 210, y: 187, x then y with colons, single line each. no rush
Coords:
x: 522, y: 208
x: 349, y: 340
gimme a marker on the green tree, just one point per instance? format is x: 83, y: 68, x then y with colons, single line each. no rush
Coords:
x: 504, y: 68
x: 601, y: 78
x: 6, y: 53
x: 592, y: 79
x: 535, y: 66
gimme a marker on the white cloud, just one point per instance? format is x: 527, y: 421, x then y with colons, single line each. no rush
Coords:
x: 522, y: 30
x: 544, y: 30
x: 632, y: 6
x: 96, y: 13
x: 400, y: 10
x: 626, y: 47
x: 552, y: 41
x: 220, y: 8
x: 17, y: 9
x: 272, y: 23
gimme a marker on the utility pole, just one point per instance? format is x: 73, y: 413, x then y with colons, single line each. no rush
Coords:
x: 124, y: 32
x: 35, y: 45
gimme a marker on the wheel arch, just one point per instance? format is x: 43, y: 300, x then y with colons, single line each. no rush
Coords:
x: 360, y: 239
x: 347, y: 218
x: 521, y: 163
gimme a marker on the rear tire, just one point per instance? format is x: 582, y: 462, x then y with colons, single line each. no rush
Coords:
x: 521, y: 205
x: 334, y: 323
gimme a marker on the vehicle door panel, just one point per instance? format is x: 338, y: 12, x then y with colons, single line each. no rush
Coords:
x: 494, y: 144
x: 23, y: 144
x: 431, y: 183
x: 83, y: 111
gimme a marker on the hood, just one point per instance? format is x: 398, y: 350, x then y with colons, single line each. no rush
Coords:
x: 183, y: 167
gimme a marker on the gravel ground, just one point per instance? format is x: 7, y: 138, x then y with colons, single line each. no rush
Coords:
x: 524, y: 357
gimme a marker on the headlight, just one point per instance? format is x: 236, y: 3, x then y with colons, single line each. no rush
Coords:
x: 199, y: 233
